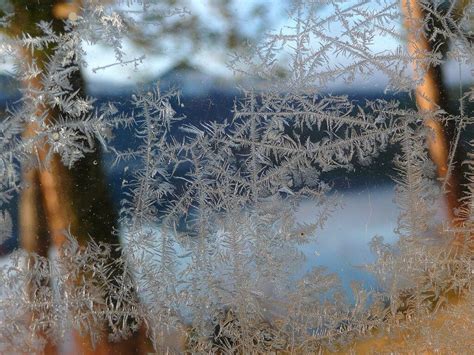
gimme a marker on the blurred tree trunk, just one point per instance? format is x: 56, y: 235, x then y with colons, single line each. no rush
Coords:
x: 58, y: 198
x: 431, y: 96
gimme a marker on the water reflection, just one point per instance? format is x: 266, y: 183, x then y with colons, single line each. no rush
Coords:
x: 342, y: 245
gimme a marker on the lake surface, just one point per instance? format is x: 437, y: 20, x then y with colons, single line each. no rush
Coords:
x: 343, y: 244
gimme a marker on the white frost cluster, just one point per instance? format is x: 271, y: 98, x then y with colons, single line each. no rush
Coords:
x: 223, y: 195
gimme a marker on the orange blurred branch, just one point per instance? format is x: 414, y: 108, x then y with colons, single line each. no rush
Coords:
x: 429, y: 99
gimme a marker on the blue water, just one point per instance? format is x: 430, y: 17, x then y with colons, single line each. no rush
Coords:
x: 342, y: 245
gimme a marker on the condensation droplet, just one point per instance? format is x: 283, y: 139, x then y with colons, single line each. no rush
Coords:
x: 72, y: 16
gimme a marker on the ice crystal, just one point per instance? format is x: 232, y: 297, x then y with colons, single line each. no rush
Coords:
x: 209, y: 215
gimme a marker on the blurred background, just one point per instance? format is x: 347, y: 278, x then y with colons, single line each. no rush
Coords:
x: 191, y: 51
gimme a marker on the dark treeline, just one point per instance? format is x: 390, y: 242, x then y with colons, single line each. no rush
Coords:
x: 217, y: 105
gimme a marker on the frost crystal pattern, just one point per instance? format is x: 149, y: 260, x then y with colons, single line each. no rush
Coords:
x: 211, y: 239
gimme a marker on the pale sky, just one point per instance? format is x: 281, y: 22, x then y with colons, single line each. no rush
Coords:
x: 211, y: 60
